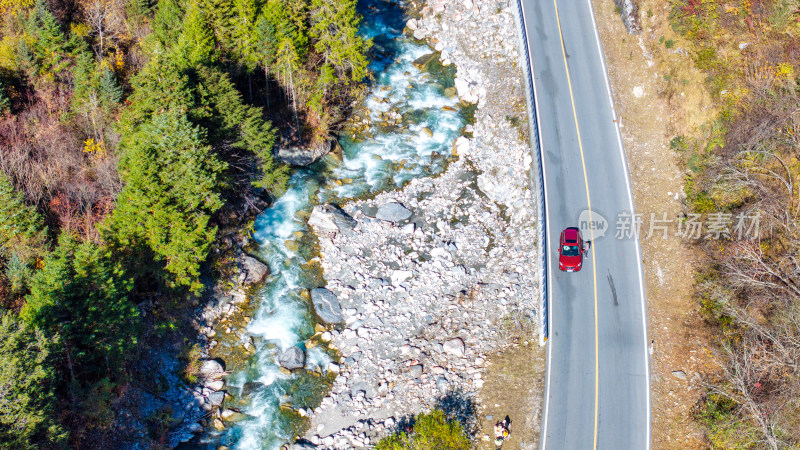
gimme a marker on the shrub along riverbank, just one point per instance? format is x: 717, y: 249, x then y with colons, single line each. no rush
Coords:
x: 130, y: 131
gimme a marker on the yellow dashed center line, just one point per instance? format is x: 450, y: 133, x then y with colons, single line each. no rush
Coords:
x: 591, y: 229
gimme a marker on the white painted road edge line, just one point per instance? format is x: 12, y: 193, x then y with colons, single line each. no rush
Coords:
x: 633, y: 211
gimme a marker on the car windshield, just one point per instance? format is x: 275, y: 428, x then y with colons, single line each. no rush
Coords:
x: 569, y: 250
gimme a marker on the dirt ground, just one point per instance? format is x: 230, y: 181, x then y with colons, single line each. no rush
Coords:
x: 659, y: 95
x: 514, y: 384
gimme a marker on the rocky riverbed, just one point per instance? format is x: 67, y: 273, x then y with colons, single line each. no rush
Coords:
x: 431, y: 279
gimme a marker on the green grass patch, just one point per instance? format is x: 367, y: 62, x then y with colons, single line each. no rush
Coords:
x: 190, y: 357
x: 725, y: 429
x: 429, y: 431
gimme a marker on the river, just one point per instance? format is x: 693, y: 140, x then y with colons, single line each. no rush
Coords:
x: 381, y: 150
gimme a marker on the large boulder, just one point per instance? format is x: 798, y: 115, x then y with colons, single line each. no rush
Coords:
x: 304, y: 156
x: 292, y: 358
x: 326, y: 305
x: 254, y: 270
x: 629, y: 11
x: 426, y: 62
x: 215, y: 398
x: 251, y: 387
x: 211, y: 369
x: 465, y: 90
x: 214, y: 385
x: 330, y: 219
x: 392, y: 212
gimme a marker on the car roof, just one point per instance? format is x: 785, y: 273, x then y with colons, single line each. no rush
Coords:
x: 571, y: 234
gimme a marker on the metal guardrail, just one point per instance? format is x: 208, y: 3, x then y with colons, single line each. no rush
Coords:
x: 537, y: 178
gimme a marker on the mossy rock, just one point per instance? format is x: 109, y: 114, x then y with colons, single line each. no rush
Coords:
x: 291, y: 245
x: 427, y: 63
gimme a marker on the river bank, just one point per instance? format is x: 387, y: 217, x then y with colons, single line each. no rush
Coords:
x: 430, y: 293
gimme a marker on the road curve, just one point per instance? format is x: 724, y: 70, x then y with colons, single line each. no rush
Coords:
x: 597, y: 394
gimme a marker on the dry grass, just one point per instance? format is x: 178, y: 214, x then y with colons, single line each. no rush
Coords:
x: 514, y: 387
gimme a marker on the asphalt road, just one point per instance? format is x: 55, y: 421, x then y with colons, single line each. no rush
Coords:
x: 597, y: 391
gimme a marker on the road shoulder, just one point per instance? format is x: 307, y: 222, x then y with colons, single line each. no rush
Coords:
x: 648, y: 121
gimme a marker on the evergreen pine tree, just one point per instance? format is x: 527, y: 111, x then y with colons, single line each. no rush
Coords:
x: 196, y: 44
x: 172, y: 184
x: 335, y: 33
x: 51, y: 43
x: 265, y: 42
x: 5, y: 104
x: 109, y: 90
x: 243, y: 32
x: 82, y: 295
x: 21, y: 227
x: 167, y: 22
x: 27, y: 379
x: 220, y: 16
x: 248, y: 128
x: 22, y: 236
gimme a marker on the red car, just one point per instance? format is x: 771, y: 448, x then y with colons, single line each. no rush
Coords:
x: 570, y: 250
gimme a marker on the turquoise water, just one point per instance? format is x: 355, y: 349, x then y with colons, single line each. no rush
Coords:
x: 376, y: 157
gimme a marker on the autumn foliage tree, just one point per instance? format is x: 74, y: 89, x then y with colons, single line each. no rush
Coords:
x: 748, y: 166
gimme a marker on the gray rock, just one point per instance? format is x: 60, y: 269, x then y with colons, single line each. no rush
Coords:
x: 292, y: 358
x: 416, y: 371
x: 195, y: 428
x: 326, y: 305
x: 442, y: 384
x: 230, y: 415
x: 679, y: 374
x: 425, y: 62
x: 250, y: 387
x: 254, y: 270
x: 215, y: 398
x: 211, y: 369
x: 459, y: 270
x: 330, y: 219
x: 392, y: 212
x: 628, y: 9
x: 304, y: 156
x: 454, y: 347
x: 215, y: 385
